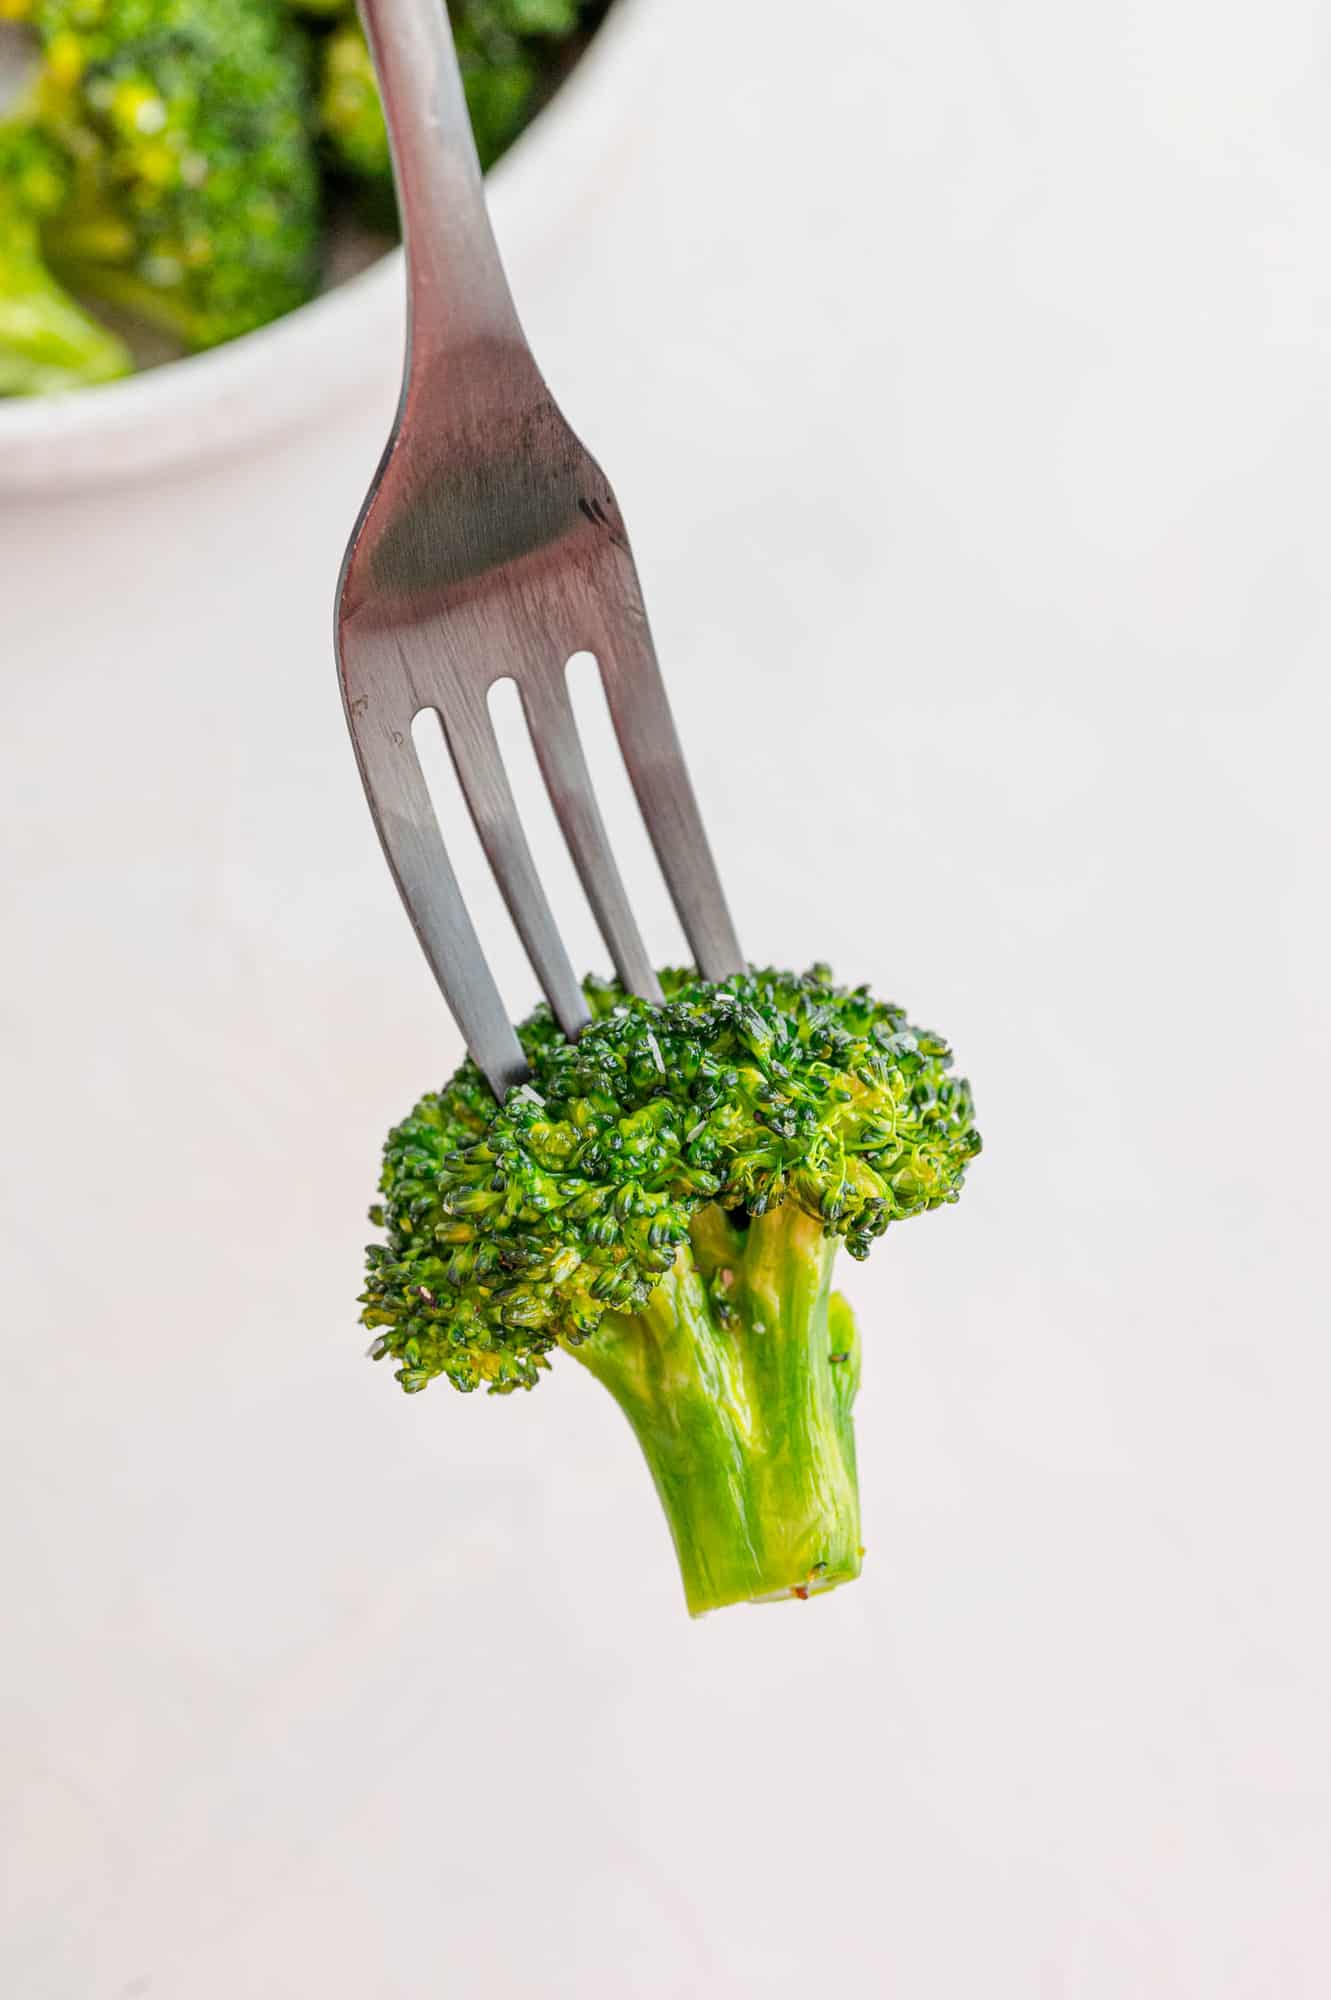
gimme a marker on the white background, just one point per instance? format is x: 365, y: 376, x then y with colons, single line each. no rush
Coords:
x: 963, y: 371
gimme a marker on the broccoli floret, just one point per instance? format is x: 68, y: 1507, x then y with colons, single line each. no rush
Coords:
x: 504, y: 50
x: 664, y: 1200
x: 47, y: 341
x: 188, y: 126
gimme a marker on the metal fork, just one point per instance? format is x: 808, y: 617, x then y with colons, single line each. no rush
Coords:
x: 490, y: 547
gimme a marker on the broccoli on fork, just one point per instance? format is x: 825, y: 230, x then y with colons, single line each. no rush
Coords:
x: 664, y: 1200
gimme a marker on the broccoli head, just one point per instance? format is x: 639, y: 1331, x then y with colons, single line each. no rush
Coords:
x: 187, y: 126
x: 664, y: 1199
x: 47, y: 341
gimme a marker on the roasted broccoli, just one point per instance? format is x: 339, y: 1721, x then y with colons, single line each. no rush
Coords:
x: 188, y: 128
x: 47, y: 341
x: 664, y: 1199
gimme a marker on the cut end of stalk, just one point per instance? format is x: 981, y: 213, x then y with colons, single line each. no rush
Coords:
x: 813, y: 1585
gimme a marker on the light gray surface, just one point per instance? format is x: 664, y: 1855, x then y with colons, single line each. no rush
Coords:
x: 969, y: 404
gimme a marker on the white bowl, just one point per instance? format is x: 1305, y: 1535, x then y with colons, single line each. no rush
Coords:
x: 280, y: 378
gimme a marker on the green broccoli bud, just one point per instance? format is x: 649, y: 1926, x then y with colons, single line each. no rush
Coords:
x: 664, y: 1199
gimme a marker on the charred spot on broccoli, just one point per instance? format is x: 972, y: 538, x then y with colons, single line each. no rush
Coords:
x: 664, y: 1199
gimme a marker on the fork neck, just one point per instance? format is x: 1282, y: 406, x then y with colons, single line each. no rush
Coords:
x: 457, y: 293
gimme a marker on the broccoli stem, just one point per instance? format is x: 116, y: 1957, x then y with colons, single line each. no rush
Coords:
x: 738, y: 1379
x: 48, y: 344
x: 76, y: 262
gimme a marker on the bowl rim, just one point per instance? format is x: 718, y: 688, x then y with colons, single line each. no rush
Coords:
x: 207, y: 405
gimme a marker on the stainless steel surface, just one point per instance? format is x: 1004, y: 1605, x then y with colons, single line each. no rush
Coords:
x: 490, y: 547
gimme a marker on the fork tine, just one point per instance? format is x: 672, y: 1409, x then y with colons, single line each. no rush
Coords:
x: 414, y: 847
x: 484, y: 781
x: 554, y: 735
x: 640, y: 710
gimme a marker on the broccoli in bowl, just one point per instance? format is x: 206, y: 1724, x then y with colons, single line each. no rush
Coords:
x: 174, y: 165
x: 664, y: 1201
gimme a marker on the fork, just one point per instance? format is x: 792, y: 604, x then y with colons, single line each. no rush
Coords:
x: 490, y: 547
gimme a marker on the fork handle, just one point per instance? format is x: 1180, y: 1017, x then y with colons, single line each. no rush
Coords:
x: 456, y: 288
